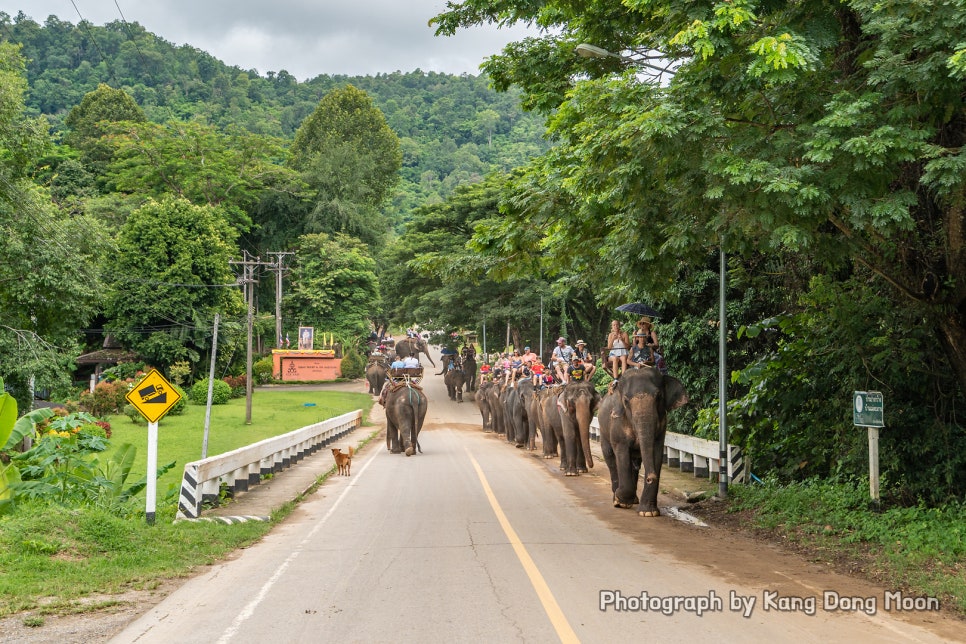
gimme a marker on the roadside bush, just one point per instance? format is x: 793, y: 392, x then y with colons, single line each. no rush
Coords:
x: 237, y: 384
x: 131, y: 412
x: 178, y: 408
x: 262, y: 371
x: 107, y: 398
x: 179, y: 372
x: 353, y: 366
x: 221, y: 392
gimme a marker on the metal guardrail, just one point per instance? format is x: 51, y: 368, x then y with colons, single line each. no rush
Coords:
x: 245, y: 466
x: 698, y: 455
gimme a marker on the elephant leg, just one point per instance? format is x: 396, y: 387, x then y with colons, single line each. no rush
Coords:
x: 580, y: 459
x: 411, y: 447
x: 569, y: 459
x: 610, y: 458
x: 648, y: 506
x: 625, y: 492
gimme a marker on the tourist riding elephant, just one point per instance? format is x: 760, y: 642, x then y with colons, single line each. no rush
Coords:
x: 633, y: 424
x: 454, y: 382
x: 577, y: 403
x: 406, y: 406
x: 413, y: 347
x: 483, y: 402
x: 376, y: 376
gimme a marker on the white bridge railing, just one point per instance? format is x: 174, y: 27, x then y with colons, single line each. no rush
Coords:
x: 697, y: 455
x: 245, y: 466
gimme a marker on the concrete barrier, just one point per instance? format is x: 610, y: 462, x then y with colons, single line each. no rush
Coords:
x: 244, y: 467
x: 698, y: 455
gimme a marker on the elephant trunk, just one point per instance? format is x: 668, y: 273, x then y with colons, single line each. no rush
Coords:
x: 584, y: 415
x: 426, y: 353
x: 644, y: 418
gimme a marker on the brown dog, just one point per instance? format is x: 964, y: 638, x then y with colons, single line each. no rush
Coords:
x: 344, y: 461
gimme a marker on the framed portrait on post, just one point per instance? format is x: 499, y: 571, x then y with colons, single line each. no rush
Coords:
x: 306, y: 338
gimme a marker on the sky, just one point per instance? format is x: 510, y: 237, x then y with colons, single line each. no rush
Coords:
x: 304, y: 37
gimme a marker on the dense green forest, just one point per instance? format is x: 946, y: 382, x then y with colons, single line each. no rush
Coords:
x: 452, y: 129
x: 135, y: 175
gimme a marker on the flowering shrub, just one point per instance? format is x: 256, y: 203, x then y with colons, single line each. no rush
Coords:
x: 107, y: 397
x: 237, y: 384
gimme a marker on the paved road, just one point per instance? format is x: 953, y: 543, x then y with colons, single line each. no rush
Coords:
x: 477, y: 541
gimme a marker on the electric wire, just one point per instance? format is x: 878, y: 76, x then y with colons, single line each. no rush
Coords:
x: 83, y: 24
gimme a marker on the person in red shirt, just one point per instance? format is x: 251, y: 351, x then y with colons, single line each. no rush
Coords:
x: 536, y: 370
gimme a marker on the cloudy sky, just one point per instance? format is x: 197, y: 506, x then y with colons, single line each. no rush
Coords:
x: 305, y: 37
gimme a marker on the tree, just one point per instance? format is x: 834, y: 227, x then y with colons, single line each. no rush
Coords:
x: 104, y: 105
x: 170, y: 276
x: 348, y: 154
x: 433, y: 276
x: 196, y: 162
x: 822, y: 140
x: 829, y: 131
x: 334, y: 286
x: 49, y: 281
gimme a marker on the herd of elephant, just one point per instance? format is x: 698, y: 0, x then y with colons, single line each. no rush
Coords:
x: 632, y: 417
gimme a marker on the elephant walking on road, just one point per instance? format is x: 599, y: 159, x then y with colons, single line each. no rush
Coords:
x: 633, y: 424
x: 469, y: 368
x: 483, y: 402
x: 577, y: 403
x: 454, y: 382
x: 406, y: 406
x: 376, y: 376
x: 413, y: 347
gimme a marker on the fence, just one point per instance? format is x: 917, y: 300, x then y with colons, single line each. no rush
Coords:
x: 246, y: 466
x: 697, y: 455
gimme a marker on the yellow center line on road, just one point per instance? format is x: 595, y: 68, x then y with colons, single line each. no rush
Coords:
x: 550, y: 606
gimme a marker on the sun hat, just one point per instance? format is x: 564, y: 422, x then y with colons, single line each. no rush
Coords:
x: 581, y: 342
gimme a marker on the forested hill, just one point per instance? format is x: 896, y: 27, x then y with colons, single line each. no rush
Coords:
x: 453, y: 129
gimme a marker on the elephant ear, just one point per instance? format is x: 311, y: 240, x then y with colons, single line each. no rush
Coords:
x: 674, y: 394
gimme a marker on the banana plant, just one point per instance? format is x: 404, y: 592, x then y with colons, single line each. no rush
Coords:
x: 12, y: 433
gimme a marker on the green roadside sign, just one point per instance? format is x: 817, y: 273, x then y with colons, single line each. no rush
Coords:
x: 867, y: 409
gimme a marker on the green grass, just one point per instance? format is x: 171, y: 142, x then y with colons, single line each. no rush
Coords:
x: 274, y: 412
x: 919, y: 549
x: 52, y: 557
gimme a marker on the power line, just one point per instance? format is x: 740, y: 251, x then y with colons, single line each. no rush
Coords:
x: 83, y: 24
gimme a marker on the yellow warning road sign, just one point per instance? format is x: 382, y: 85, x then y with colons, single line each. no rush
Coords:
x: 153, y: 396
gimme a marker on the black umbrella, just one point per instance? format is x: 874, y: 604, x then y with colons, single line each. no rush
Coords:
x: 639, y: 308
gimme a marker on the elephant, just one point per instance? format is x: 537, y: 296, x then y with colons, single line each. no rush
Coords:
x: 577, y: 403
x: 497, y: 412
x: 469, y: 368
x: 483, y: 402
x: 454, y: 383
x: 376, y: 376
x: 413, y: 347
x: 515, y: 414
x: 523, y: 428
x: 550, y: 425
x: 406, y: 406
x: 633, y: 424
x: 532, y: 407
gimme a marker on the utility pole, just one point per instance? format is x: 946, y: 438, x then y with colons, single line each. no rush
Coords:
x: 248, y: 281
x: 278, y: 268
